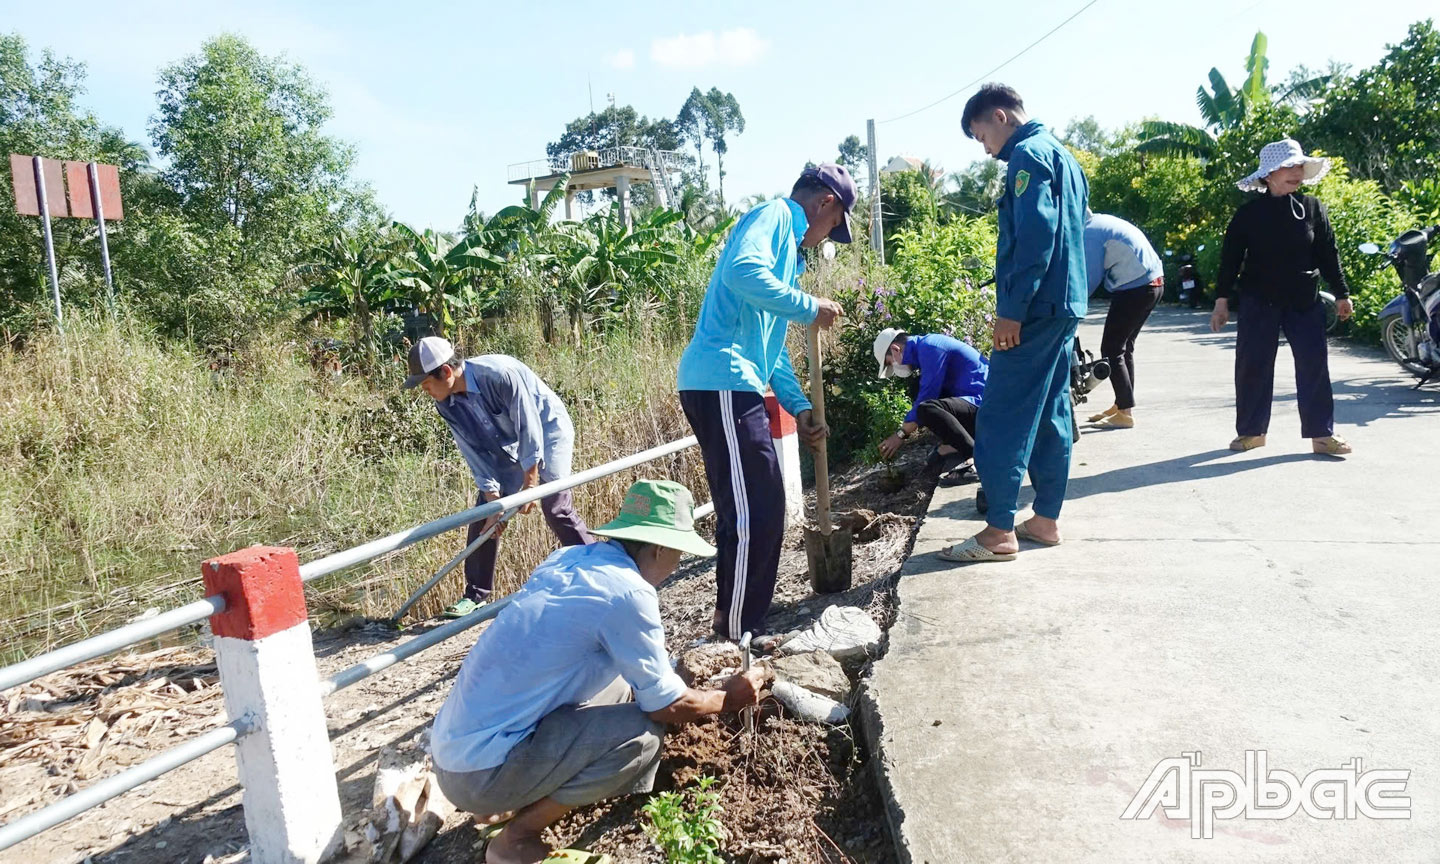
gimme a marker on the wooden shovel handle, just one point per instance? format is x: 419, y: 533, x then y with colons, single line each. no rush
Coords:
x: 817, y: 414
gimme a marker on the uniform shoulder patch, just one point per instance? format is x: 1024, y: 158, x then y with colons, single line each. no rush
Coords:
x: 1022, y: 182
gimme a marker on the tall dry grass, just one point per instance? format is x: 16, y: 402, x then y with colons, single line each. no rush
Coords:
x: 126, y: 460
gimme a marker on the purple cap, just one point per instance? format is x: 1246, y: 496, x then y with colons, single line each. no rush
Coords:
x: 843, y: 185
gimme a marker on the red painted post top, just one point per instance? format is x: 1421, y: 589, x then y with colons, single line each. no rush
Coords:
x: 262, y: 589
x: 781, y: 423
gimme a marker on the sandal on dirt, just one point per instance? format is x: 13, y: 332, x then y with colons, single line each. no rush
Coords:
x: 1247, y: 442
x: 487, y: 834
x: 1023, y: 532
x: 577, y: 856
x: 959, y: 475
x: 971, y: 551
x: 1332, y: 446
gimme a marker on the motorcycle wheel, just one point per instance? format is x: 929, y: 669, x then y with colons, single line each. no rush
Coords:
x: 1395, y: 338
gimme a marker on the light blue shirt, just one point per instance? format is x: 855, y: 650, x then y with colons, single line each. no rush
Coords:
x: 1120, y: 254
x: 583, y: 618
x: 504, y: 421
x: 739, y: 341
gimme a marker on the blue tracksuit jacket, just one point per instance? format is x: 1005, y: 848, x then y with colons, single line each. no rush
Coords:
x: 1040, y: 256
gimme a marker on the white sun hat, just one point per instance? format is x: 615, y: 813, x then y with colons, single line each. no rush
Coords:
x: 883, y: 341
x: 1284, y: 154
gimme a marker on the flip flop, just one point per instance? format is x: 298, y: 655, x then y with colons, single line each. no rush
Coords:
x: 1022, y: 532
x: 577, y: 856
x: 958, y: 476
x: 972, y: 552
x: 487, y: 834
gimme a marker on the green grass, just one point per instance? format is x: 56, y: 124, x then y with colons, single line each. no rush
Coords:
x: 125, y: 461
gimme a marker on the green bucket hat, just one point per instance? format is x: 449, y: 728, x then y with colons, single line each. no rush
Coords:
x: 660, y: 512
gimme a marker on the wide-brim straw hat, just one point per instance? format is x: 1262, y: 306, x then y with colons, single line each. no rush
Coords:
x: 1284, y: 154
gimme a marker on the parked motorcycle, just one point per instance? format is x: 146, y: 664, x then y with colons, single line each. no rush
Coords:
x: 1410, y: 323
x: 1086, y: 373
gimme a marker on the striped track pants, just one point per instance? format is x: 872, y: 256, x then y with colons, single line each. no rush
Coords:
x: 749, y: 495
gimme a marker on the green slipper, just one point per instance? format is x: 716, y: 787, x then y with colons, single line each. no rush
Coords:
x: 460, y: 608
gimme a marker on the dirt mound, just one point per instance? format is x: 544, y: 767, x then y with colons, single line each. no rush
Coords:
x: 794, y: 792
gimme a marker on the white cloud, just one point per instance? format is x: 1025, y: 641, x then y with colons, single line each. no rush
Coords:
x: 739, y: 47
x: 622, y: 59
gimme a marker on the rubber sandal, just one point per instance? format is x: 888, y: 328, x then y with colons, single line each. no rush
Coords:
x: 1023, y: 532
x: 1096, y: 418
x: 577, y: 856
x: 1247, y: 442
x: 972, y: 552
x: 1332, y: 446
x: 1115, y: 421
x: 958, y: 476
x: 937, y: 461
x: 460, y: 608
x: 487, y: 834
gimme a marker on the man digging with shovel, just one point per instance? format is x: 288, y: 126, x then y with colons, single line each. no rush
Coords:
x: 738, y: 350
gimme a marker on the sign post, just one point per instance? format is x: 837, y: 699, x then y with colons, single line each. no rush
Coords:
x: 44, y: 202
x: 93, y: 170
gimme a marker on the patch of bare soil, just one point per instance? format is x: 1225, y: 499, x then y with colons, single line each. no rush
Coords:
x: 793, y: 791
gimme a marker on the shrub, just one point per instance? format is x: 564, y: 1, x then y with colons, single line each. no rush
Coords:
x: 686, y: 824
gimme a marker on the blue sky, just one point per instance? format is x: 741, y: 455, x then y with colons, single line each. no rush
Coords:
x: 439, y: 97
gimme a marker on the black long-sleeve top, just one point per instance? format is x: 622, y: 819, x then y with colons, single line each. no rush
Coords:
x: 1272, y: 254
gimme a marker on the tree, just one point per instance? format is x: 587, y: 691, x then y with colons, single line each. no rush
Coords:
x: 353, y: 277
x: 1385, y: 121
x: 853, y: 154
x: 710, y: 117
x: 974, y: 191
x: 241, y: 136
x: 616, y: 126
x: 1087, y: 134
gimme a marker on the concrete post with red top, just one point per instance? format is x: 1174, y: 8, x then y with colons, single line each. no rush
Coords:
x: 267, y: 668
x: 787, y: 448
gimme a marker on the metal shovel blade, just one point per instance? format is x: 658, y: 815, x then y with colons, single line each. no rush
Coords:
x: 829, y: 558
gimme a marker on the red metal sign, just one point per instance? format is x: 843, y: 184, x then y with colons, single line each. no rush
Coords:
x: 82, y: 205
x: 22, y: 177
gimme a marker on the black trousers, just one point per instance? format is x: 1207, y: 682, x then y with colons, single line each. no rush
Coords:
x: 1129, y: 310
x: 745, y: 483
x: 566, y: 524
x: 952, y: 420
x: 1257, y: 340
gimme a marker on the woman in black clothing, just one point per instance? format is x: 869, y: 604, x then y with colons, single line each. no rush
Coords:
x: 1275, y: 250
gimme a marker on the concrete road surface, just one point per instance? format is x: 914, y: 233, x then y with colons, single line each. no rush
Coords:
x: 1205, y: 603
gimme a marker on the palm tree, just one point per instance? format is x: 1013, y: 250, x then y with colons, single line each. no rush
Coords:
x: 439, y: 273
x: 1224, y: 108
x: 352, y: 278
x: 974, y: 191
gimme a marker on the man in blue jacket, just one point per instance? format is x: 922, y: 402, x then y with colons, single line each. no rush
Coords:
x: 738, y: 351
x: 952, y: 382
x: 1041, y: 294
x: 514, y: 433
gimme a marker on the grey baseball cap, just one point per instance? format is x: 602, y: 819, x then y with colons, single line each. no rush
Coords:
x: 426, y: 356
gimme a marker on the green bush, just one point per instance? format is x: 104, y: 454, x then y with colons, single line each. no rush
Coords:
x: 930, y: 289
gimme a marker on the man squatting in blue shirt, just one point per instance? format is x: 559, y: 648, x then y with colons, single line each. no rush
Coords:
x: 1041, y: 293
x: 952, y: 381
x: 738, y: 351
x: 514, y: 433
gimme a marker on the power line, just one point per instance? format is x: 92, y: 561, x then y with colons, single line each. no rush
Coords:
x: 980, y: 79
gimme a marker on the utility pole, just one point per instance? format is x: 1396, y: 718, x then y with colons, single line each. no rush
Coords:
x: 877, y: 238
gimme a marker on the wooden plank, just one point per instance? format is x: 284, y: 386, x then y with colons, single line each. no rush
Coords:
x: 77, y: 176
x: 22, y: 177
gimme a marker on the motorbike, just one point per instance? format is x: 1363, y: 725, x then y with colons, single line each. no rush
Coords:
x: 1410, y: 323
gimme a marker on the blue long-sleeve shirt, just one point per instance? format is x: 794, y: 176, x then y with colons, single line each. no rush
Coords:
x: 1119, y: 254
x: 1040, y: 255
x: 739, y: 341
x: 503, y: 421
x: 947, y: 368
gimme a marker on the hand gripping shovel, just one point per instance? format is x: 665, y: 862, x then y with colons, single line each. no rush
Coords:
x: 827, y: 550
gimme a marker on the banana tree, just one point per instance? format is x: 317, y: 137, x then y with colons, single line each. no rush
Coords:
x: 441, y: 276
x: 352, y: 278
x: 606, y: 264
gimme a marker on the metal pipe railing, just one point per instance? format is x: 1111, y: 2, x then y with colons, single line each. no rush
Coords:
x: 399, y: 540
x: 193, y: 613
x: 404, y: 651
x: 68, y: 808
x: 111, y: 640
